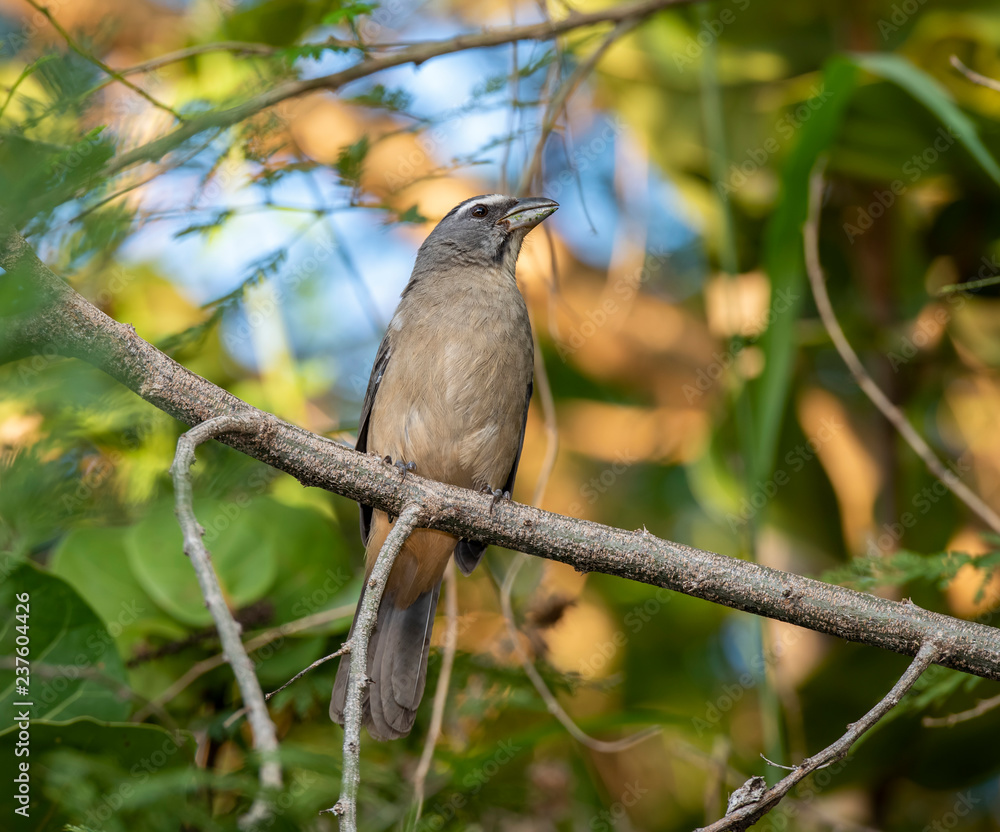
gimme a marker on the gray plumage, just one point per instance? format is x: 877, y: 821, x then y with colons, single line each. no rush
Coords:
x: 449, y: 392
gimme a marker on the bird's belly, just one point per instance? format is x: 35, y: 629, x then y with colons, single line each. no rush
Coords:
x: 459, y: 418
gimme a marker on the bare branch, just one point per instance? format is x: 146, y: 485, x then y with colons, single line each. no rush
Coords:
x: 416, y: 54
x: 559, y: 101
x: 753, y: 802
x: 83, y: 53
x: 867, y: 384
x: 975, y: 77
x: 344, y: 648
x: 346, y: 807
x: 237, y: 47
x: 983, y: 706
x: 262, y: 639
x: 49, y: 318
x: 265, y: 736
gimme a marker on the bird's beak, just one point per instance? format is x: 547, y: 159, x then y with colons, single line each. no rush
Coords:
x: 527, y: 213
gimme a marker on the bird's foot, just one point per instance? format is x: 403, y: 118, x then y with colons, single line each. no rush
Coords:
x: 498, y: 495
x: 403, y: 467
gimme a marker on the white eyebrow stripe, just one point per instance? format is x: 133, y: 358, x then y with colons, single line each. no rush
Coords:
x: 487, y: 199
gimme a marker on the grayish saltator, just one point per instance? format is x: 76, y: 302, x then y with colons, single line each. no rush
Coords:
x: 449, y: 393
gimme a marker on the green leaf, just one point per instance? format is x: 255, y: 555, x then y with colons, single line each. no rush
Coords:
x: 315, y: 573
x: 310, y: 51
x: 239, y: 539
x: 936, y: 98
x: 59, y: 630
x: 412, y: 214
x: 379, y: 96
x: 95, y: 562
x: 348, y: 11
x: 904, y: 567
x: 95, y: 772
x: 784, y: 259
x: 351, y: 160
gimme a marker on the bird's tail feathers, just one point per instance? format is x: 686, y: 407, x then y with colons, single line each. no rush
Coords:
x: 397, y: 666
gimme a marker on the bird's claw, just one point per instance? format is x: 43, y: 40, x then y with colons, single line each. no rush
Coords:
x: 403, y: 467
x: 498, y: 495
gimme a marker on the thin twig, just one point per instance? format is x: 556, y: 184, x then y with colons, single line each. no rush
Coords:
x: 441, y: 692
x: 344, y: 648
x: 83, y: 53
x: 895, y: 416
x: 415, y: 54
x: 954, y: 288
x: 551, y: 450
x: 743, y: 816
x: 975, y: 77
x: 346, y: 807
x: 166, y: 167
x: 734, y: 778
x: 265, y: 736
x: 551, y: 703
x: 561, y: 98
x: 716, y: 774
x: 199, y: 669
x: 238, y: 47
x: 981, y: 707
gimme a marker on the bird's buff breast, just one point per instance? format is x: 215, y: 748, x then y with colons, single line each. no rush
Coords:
x: 456, y: 388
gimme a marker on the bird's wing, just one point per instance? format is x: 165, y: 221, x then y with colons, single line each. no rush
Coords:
x: 468, y: 553
x: 378, y: 372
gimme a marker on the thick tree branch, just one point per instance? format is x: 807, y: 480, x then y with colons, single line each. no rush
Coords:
x: 58, y: 321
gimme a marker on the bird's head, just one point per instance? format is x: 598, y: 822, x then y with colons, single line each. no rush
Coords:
x: 485, y: 231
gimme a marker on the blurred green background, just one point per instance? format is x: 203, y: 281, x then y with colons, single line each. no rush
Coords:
x: 695, y: 391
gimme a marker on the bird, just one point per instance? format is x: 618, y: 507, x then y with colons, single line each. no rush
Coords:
x: 448, y: 398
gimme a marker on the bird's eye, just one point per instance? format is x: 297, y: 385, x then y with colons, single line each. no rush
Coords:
x: 479, y: 210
